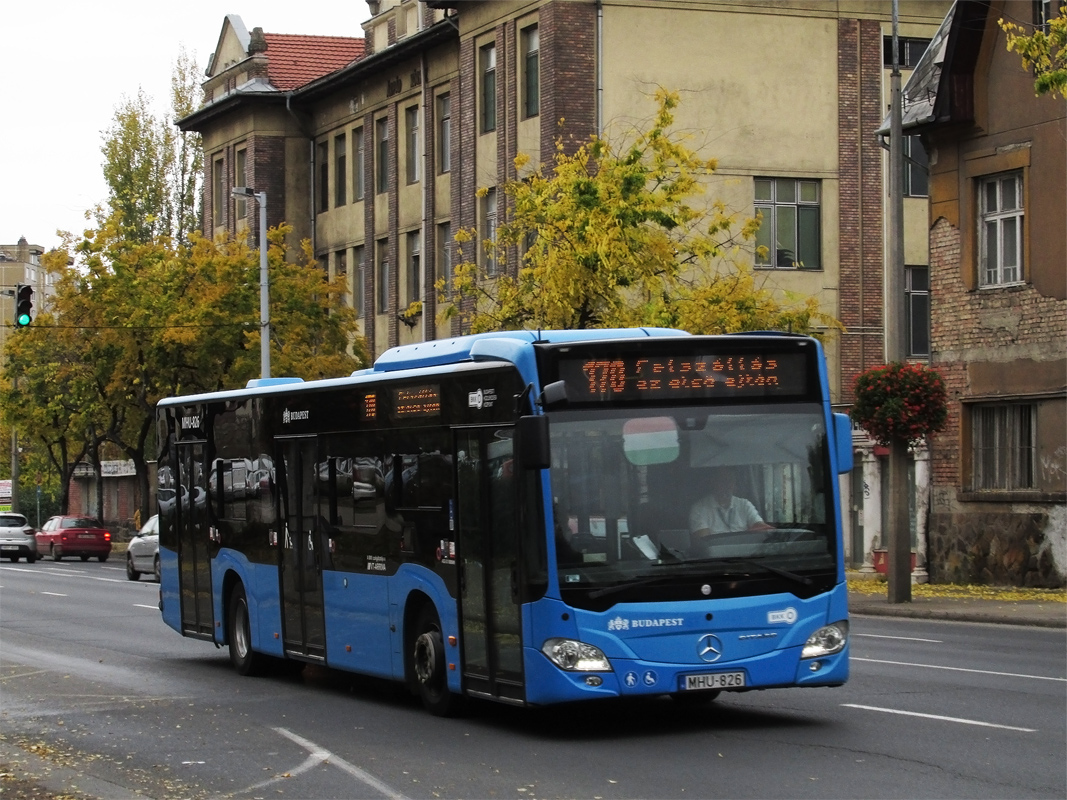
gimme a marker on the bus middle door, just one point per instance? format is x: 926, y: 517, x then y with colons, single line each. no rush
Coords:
x: 194, y: 551
x: 489, y: 574
x: 304, y: 629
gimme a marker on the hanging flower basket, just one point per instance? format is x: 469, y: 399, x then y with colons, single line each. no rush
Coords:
x: 900, y: 402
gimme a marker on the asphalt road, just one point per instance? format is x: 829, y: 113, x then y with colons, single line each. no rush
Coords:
x: 99, y: 697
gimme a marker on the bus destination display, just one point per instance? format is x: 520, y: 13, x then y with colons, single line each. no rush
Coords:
x: 417, y: 401
x: 662, y: 377
x: 368, y: 411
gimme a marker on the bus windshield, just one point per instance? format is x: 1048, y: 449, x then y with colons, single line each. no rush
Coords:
x: 734, y: 496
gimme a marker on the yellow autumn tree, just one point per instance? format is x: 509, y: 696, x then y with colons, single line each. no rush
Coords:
x: 616, y: 237
x: 1044, y: 50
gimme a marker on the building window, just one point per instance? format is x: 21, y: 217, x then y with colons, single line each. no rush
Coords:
x: 909, y: 51
x: 916, y: 168
x: 1002, y: 445
x: 917, y: 310
x: 414, y: 266
x: 531, y: 84
x: 340, y: 171
x: 340, y: 268
x: 324, y: 177
x: 381, y: 135
x: 360, y: 276
x: 488, y: 70
x: 1043, y: 12
x: 444, y: 133
x: 791, y: 223
x: 240, y: 178
x: 1000, y: 229
x: 218, y: 191
x: 357, y: 164
x: 383, y: 276
x: 411, y: 117
x: 444, y: 255
x: 489, y: 219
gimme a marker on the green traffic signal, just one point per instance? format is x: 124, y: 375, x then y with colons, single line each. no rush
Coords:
x: 23, y: 305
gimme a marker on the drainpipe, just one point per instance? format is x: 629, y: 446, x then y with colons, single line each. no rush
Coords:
x: 599, y: 67
x: 427, y: 97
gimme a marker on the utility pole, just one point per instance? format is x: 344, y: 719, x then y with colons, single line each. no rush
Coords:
x: 899, y: 533
x: 264, y: 281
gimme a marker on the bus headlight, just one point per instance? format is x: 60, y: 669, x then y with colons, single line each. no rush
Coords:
x: 826, y: 641
x: 575, y: 656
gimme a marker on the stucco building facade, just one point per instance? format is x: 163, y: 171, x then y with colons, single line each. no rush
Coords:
x: 374, y: 147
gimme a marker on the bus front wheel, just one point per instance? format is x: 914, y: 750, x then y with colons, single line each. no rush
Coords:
x: 428, y: 665
x: 244, y: 659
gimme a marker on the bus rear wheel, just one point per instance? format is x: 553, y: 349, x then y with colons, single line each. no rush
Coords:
x: 428, y: 666
x: 244, y: 659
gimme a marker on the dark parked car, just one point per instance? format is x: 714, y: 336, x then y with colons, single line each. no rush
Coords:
x: 84, y: 537
x: 17, y: 538
x: 142, y: 553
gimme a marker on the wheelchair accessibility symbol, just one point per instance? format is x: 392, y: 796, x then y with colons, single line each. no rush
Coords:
x: 651, y: 678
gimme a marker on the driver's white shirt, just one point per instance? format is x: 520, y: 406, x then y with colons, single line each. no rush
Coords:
x: 739, y: 515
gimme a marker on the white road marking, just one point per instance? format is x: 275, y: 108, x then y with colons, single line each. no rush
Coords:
x: 961, y: 669
x: 142, y: 605
x: 318, y: 755
x: 53, y: 594
x: 900, y: 638
x: 939, y: 717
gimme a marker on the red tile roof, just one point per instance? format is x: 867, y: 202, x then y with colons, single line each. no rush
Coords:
x: 294, y: 60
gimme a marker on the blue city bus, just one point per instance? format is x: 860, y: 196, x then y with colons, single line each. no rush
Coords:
x: 512, y: 516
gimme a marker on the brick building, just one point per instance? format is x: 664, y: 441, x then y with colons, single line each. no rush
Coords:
x: 998, y: 274
x: 374, y: 148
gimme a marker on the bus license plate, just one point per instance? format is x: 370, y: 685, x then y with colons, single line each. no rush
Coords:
x: 714, y: 680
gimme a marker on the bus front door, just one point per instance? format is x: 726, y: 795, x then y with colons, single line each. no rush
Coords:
x: 488, y: 549
x: 304, y: 630
x: 194, y: 556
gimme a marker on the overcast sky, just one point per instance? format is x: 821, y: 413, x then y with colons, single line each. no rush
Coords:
x: 67, y: 65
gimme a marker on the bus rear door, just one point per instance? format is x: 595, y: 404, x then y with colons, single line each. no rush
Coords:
x: 304, y: 629
x: 489, y: 574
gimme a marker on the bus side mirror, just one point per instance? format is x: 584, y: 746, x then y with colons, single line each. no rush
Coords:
x: 532, y: 435
x: 843, y: 441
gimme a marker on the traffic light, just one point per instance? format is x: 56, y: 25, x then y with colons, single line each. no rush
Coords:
x: 23, y: 305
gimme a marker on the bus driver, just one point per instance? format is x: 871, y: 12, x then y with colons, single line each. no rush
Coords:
x: 722, y: 511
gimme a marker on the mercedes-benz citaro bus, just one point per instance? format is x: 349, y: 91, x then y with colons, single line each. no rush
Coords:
x: 526, y: 517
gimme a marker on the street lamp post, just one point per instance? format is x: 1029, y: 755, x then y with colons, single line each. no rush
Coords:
x: 264, y: 287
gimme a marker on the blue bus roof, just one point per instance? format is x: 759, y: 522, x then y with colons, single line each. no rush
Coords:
x: 475, y: 345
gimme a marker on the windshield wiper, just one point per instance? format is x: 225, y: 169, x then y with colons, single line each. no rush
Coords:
x: 748, y: 562
x: 622, y: 587
x: 801, y: 579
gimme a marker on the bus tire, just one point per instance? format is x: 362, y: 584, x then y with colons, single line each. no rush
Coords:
x: 239, y: 634
x: 428, y: 666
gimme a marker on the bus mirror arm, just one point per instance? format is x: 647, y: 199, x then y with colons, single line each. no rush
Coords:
x: 522, y: 398
x: 531, y: 433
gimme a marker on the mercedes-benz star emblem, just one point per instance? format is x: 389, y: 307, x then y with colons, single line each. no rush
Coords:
x: 709, y: 648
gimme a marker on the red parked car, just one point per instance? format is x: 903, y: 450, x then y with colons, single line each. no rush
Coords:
x: 73, y: 536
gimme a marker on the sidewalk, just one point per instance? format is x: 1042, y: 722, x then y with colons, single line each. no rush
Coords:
x: 979, y: 607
